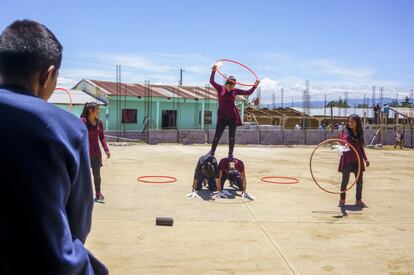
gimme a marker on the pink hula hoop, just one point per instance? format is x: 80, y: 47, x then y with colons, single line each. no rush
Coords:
x: 240, y: 64
x: 70, y: 97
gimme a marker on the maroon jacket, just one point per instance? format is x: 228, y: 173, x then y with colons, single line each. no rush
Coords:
x: 226, y: 100
x: 95, y: 132
x: 349, y: 157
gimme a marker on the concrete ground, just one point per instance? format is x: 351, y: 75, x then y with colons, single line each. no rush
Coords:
x: 288, y: 229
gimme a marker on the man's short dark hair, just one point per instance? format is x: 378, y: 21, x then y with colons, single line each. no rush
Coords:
x: 26, y: 48
x: 208, y: 169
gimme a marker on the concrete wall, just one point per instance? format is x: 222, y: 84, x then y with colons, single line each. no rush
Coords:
x: 255, y: 136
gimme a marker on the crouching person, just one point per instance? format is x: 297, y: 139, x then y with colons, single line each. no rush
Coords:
x: 206, y: 171
x: 233, y: 171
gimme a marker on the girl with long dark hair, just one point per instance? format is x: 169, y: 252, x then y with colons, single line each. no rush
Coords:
x: 354, y: 135
x: 90, y: 116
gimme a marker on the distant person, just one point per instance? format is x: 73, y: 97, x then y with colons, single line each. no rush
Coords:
x: 354, y: 135
x: 297, y: 126
x: 386, y: 112
x: 398, y: 136
x: 228, y: 115
x: 341, y: 126
x: 233, y: 170
x: 376, y: 110
x: 90, y: 117
x: 46, y: 188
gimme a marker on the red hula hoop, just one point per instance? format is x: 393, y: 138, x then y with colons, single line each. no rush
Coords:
x: 355, y: 152
x: 170, y: 179
x: 266, y: 179
x: 70, y: 97
x: 238, y: 63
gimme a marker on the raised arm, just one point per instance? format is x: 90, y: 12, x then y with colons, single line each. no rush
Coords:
x: 212, y: 81
x: 248, y: 92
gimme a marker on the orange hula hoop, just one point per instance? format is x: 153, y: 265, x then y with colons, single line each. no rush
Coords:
x: 240, y: 64
x: 70, y: 97
x: 169, y: 179
x: 358, y: 159
x: 267, y: 179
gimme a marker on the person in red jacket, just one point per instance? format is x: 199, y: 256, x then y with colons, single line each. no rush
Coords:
x: 354, y: 135
x: 90, y: 116
x: 233, y: 170
x: 228, y: 115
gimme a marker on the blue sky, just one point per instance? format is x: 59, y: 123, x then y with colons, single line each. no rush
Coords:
x: 337, y: 45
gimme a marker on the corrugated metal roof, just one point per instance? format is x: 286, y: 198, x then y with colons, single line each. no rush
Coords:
x: 78, y: 97
x: 168, y: 91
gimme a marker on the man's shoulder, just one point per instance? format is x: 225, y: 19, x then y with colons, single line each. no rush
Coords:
x: 205, y: 158
x: 239, y: 161
x: 224, y: 161
x: 30, y: 110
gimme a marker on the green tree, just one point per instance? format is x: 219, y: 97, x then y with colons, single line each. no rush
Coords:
x: 339, y: 103
x: 406, y: 102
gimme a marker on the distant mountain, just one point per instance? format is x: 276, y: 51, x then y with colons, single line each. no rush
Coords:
x: 320, y: 104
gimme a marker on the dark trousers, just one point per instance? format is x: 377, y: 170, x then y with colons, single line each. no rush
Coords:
x: 211, y: 183
x: 346, y: 171
x: 398, y: 143
x: 221, y: 125
x: 96, y: 171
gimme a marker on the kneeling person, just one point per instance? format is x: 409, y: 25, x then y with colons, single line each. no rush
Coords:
x: 233, y: 171
x: 206, y: 170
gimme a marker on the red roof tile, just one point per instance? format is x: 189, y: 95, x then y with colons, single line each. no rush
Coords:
x: 167, y: 91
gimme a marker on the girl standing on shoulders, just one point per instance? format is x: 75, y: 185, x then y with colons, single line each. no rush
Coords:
x: 90, y: 116
x: 228, y: 115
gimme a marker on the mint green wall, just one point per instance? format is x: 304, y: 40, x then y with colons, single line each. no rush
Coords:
x: 187, y: 112
x: 77, y: 110
x: 115, y: 113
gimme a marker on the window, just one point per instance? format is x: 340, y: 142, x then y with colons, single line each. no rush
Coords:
x: 207, y: 117
x: 169, y: 119
x: 129, y: 115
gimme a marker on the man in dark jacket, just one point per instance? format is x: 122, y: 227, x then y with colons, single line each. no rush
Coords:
x: 46, y: 204
x: 206, y: 170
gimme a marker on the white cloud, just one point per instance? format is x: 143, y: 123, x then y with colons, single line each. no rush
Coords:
x: 330, y: 77
x: 66, y: 82
x: 330, y: 67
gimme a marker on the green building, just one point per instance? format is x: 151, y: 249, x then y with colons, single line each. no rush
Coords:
x: 136, y: 107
